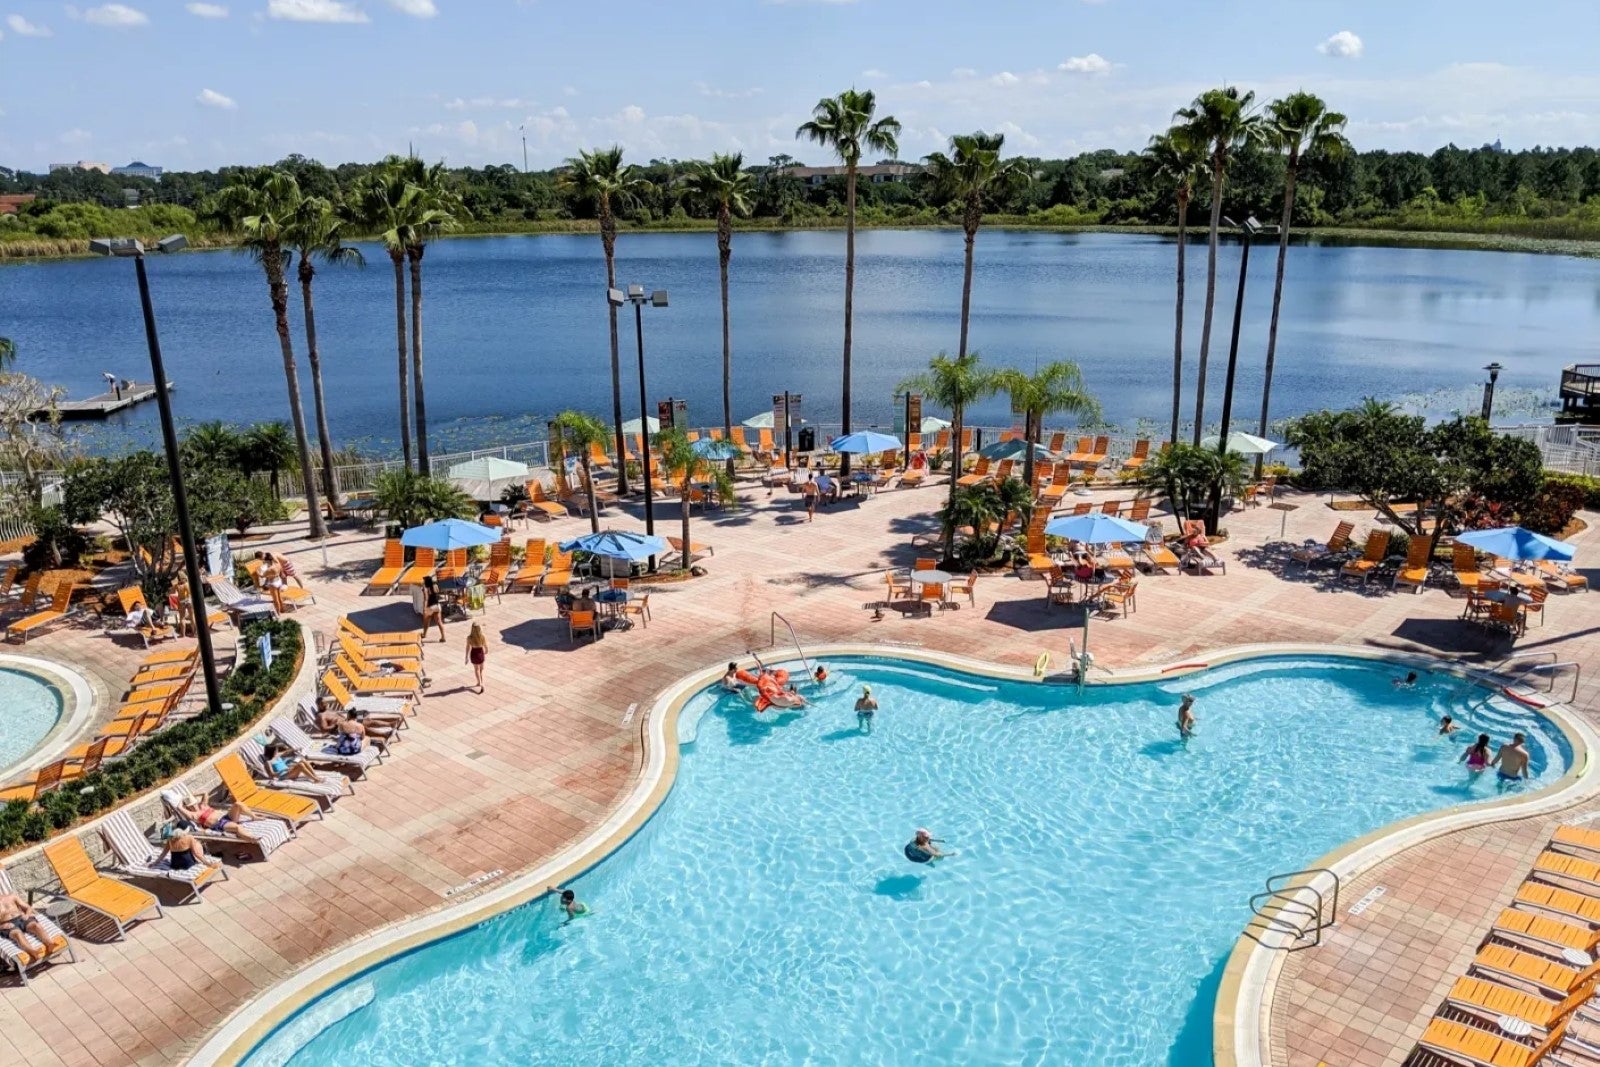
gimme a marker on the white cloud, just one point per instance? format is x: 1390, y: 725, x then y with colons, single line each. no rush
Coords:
x: 874, y: 74
x: 632, y: 113
x: 422, y: 9
x: 315, y: 11
x: 23, y: 28
x: 1093, y: 63
x: 207, y: 11
x: 117, y: 15
x: 509, y: 103
x: 1342, y: 45
x: 1004, y: 78
x: 712, y: 91
x: 212, y: 98
x: 1017, y: 137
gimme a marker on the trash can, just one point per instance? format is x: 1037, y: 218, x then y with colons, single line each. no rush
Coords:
x: 808, y: 439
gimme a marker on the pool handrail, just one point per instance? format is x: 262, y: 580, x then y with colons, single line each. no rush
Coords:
x: 772, y: 638
x: 1280, y: 898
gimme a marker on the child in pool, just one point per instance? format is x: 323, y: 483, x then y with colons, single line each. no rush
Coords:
x: 570, y: 903
x: 1477, y: 757
x: 1186, y: 719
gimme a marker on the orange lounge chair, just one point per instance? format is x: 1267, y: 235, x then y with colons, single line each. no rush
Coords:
x: 1059, y: 484
x: 1562, y: 576
x: 1461, y: 1043
x: 979, y: 474
x: 1515, y: 924
x: 394, y: 565
x: 60, y: 604
x: 455, y: 564
x: 132, y: 599
x: 422, y: 566
x: 1415, y: 570
x: 499, y: 569
x: 1564, y: 902
x: 1546, y: 975
x: 88, y: 888
x: 1576, y: 837
x: 170, y: 672
x: 1141, y: 455
x: 386, y: 665
x: 1097, y: 455
x: 559, y: 574
x: 1464, y: 561
x: 1491, y: 1001
x: 1058, y: 442
x: 170, y: 656
x: 541, y: 506
x: 1376, y: 548
x: 1336, y: 544
x: 384, y: 685
x: 582, y: 622
x: 533, y: 565
x: 242, y: 789
x: 48, y: 777
x: 1082, y: 453
x: 1561, y: 865
x: 369, y: 640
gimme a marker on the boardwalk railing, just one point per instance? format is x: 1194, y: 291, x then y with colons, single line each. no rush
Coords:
x: 1570, y: 448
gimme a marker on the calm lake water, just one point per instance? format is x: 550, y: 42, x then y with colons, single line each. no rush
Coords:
x: 516, y: 326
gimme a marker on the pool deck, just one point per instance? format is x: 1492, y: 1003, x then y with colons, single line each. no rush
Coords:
x: 508, y: 779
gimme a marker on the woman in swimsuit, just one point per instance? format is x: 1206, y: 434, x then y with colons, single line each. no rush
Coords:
x: 477, y: 652
x: 182, y: 850
x: 231, y: 822
x: 1477, y: 757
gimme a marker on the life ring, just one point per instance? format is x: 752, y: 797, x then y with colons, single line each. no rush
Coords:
x: 1041, y: 664
x: 917, y: 854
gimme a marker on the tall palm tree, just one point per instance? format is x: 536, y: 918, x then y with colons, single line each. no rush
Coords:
x: 726, y: 186
x: 1223, y: 120
x: 385, y: 204
x: 438, y: 209
x: 954, y: 384
x: 8, y: 351
x: 316, y: 231
x: 600, y: 176
x: 258, y: 206
x: 579, y: 432
x: 846, y: 124
x: 1055, y: 388
x: 970, y: 175
x: 1297, y: 124
x: 1179, y: 160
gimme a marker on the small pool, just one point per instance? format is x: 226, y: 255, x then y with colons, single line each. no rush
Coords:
x: 30, y: 707
x: 766, y: 914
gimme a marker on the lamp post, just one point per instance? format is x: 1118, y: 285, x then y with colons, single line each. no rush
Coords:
x: 129, y: 247
x: 1248, y: 231
x: 1494, y: 370
x: 637, y: 297
x: 523, y: 129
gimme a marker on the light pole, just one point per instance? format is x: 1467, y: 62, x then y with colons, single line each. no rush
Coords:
x: 658, y: 298
x: 1494, y: 370
x: 1248, y: 231
x: 126, y: 246
x: 523, y: 129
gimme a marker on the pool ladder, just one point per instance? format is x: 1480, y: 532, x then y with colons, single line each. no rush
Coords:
x: 1293, y: 910
x: 772, y: 639
x: 1527, y: 663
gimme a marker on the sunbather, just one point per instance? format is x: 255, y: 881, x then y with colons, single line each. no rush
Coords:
x: 17, y: 918
x: 332, y: 719
x: 231, y: 822
x: 283, y: 764
x: 270, y: 577
x: 183, y: 850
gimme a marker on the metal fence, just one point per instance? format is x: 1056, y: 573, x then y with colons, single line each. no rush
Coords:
x: 1569, y: 448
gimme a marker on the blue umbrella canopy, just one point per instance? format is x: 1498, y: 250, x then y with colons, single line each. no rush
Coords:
x: 448, y: 534
x: 1513, y: 542
x: 706, y: 448
x: 1096, y: 529
x: 865, y: 441
x: 1016, y: 448
x: 618, y: 544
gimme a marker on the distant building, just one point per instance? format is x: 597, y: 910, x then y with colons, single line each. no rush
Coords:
x: 11, y: 203
x: 82, y: 164
x: 876, y: 173
x: 139, y: 170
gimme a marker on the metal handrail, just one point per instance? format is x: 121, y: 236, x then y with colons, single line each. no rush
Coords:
x: 1286, y: 899
x: 772, y: 639
x: 1550, y: 669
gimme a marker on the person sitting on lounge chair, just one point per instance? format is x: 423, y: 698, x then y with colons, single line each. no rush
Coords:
x: 1197, y: 551
x: 183, y: 850
x: 17, y: 918
x: 231, y: 822
x: 282, y: 764
x: 827, y: 488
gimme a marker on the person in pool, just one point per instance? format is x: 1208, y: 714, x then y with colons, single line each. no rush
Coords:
x: 730, y: 680
x: 1512, y: 760
x: 1447, y: 725
x: 570, y: 902
x: 1477, y: 757
x: 820, y: 675
x: 1186, y: 719
x: 922, y: 848
x: 1408, y: 682
x: 866, y: 707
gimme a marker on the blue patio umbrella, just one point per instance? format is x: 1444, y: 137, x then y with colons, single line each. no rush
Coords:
x: 618, y: 544
x: 448, y: 534
x: 1016, y: 448
x: 1096, y: 529
x: 717, y: 451
x: 865, y: 441
x: 1513, y: 542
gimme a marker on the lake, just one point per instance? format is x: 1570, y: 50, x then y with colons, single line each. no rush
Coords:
x: 516, y: 326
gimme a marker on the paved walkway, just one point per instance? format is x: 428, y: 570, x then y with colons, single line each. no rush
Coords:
x: 507, y: 778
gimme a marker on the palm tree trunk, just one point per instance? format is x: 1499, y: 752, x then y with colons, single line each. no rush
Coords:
x: 278, y: 286
x: 724, y: 254
x: 314, y: 357
x: 414, y: 254
x: 1211, y: 299
x: 1277, y: 297
x: 1177, y: 331
x: 849, y: 300
x: 608, y: 241
x: 397, y: 256
x: 957, y: 420
x: 970, y: 226
x: 588, y: 489
x: 1031, y: 423
x: 688, y: 546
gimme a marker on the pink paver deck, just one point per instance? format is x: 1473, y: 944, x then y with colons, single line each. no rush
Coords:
x: 508, y: 778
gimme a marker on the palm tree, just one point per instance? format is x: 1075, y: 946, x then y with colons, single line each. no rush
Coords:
x: 579, y: 432
x: 953, y: 384
x: 214, y: 443
x: 1054, y: 388
x: 385, y: 204
x: 266, y: 447
x: 438, y: 209
x: 599, y: 176
x: 725, y: 185
x: 1223, y: 120
x: 845, y: 123
x: 1179, y: 160
x: 684, y: 465
x: 8, y: 351
x: 316, y: 231
x: 971, y: 174
x: 258, y: 206
x: 1297, y: 124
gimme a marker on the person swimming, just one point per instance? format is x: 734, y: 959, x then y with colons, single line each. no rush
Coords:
x: 1447, y: 725
x: 570, y: 903
x: 866, y: 707
x: 1186, y: 719
x: 730, y: 679
x: 922, y: 848
x: 1512, y: 760
x: 1408, y: 682
x: 1477, y: 757
x: 820, y: 675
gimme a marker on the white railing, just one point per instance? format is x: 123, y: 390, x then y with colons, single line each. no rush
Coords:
x: 1569, y: 448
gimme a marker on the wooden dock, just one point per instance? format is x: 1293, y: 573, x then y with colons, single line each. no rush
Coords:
x: 104, y: 405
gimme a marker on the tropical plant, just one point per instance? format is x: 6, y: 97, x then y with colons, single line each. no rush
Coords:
x: 848, y: 125
x: 316, y: 231
x: 726, y: 187
x: 972, y: 175
x: 579, y: 432
x: 215, y: 443
x: 1055, y: 388
x: 1179, y: 161
x: 984, y: 509
x: 1224, y: 120
x: 259, y: 205
x: 953, y: 384
x: 684, y: 465
x: 8, y: 352
x: 1194, y: 479
x: 31, y: 438
x: 268, y: 448
x: 385, y: 204
x: 1297, y: 125
x: 600, y: 177
x: 408, y: 498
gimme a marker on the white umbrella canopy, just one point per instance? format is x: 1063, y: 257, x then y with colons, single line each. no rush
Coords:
x: 1244, y: 443
x: 632, y: 425
x: 764, y: 421
x: 487, y: 477
x: 933, y: 424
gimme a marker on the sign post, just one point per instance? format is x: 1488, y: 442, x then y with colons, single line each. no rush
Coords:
x: 785, y: 412
x: 672, y: 412
x: 913, y: 419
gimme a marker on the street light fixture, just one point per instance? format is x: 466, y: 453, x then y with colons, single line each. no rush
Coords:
x: 128, y: 247
x: 1494, y: 370
x: 1248, y: 231
x: 638, y: 298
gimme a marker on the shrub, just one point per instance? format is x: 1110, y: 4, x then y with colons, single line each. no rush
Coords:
x: 1589, y: 484
x: 1552, y: 507
x: 35, y: 826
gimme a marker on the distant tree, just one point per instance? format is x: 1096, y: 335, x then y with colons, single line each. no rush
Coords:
x: 579, y: 432
x: 385, y: 204
x: 408, y: 498
x: 1179, y: 161
x: 31, y: 445
x: 954, y: 384
x: 266, y: 448
x: 725, y: 186
x: 1055, y: 388
x: 1194, y: 479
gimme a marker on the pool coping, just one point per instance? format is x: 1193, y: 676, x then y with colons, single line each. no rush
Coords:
x: 78, y: 703
x: 252, y: 1022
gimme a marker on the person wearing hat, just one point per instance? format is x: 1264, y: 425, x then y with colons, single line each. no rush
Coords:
x: 865, y: 707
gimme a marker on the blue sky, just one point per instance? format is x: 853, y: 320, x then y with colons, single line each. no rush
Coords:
x: 192, y: 84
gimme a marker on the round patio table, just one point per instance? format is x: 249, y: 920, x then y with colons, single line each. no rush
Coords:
x: 1508, y: 596
x: 932, y: 577
x: 611, y: 600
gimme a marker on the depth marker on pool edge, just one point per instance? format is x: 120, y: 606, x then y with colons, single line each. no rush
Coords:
x: 627, y: 716
x: 1367, y: 901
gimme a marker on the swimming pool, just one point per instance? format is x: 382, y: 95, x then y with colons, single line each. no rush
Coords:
x: 30, y: 707
x: 766, y: 914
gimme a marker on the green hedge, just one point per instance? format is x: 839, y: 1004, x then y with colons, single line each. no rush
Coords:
x: 168, y: 753
x: 1589, y: 484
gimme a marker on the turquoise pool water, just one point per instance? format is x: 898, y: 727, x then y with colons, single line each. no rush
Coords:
x: 29, y: 710
x: 766, y: 914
